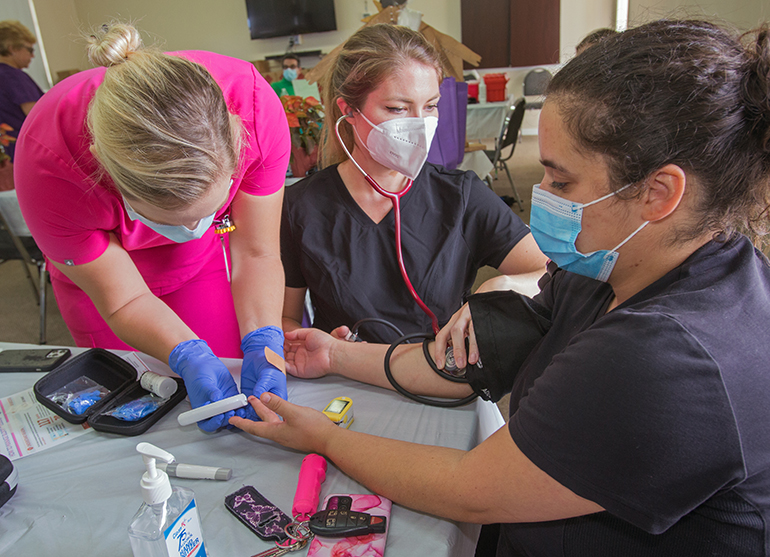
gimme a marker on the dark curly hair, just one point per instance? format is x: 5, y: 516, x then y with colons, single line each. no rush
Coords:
x: 682, y: 92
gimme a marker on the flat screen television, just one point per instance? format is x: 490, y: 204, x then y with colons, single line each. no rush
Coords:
x: 281, y: 18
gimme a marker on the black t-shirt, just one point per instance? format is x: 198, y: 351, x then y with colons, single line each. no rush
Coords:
x: 659, y: 411
x: 451, y: 225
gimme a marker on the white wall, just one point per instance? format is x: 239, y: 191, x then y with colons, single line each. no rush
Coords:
x: 744, y: 14
x: 222, y: 26
x: 59, y: 26
x: 580, y: 18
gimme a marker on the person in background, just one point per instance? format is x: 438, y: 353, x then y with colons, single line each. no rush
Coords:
x: 338, y: 233
x: 291, y: 71
x: 125, y: 175
x: 594, y: 37
x: 639, y: 423
x: 18, y: 91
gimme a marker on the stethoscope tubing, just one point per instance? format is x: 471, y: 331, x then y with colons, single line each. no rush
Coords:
x: 395, y: 199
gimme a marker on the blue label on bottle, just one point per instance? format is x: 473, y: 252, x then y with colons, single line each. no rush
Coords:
x: 184, y: 537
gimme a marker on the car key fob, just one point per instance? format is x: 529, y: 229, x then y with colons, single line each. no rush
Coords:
x: 324, y: 545
x: 343, y: 523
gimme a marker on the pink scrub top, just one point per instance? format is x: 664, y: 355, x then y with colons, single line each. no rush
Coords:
x: 71, y: 208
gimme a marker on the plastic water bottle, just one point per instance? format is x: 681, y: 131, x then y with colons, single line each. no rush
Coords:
x: 167, y: 524
x: 482, y: 90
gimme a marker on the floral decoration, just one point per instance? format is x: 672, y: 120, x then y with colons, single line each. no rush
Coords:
x: 5, y: 141
x: 305, y: 116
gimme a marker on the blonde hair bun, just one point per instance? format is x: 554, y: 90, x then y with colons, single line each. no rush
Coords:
x: 112, y: 44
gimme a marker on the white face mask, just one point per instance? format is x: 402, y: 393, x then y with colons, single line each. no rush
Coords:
x: 178, y: 234
x: 401, y: 144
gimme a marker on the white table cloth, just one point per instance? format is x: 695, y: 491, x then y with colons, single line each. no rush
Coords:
x: 78, y: 498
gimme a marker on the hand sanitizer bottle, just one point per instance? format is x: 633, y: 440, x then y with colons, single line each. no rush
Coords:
x: 167, y: 524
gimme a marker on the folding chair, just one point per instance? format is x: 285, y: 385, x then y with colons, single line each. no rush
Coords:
x: 535, y: 83
x: 508, y: 137
x: 25, y: 250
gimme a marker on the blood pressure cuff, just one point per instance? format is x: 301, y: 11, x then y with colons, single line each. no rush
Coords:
x: 507, y: 325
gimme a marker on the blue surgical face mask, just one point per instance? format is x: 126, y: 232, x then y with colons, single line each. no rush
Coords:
x: 555, y: 225
x: 178, y: 234
x: 290, y: 74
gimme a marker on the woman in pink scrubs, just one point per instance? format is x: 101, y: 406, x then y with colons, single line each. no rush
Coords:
x: 131, y: 176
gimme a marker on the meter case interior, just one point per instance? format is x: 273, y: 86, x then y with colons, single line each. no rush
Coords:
x: 90, y: 385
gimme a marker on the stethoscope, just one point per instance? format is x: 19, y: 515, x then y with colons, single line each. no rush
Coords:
x: 395, y: 199
x: 455, y: 375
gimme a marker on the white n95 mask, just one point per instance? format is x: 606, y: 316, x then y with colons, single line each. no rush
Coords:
x: 401, y: 144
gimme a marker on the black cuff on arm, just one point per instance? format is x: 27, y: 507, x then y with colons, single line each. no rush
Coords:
x: 508, y: 325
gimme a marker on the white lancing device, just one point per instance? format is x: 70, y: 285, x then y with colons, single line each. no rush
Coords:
x: 213, y: 409
x: 195, y: 472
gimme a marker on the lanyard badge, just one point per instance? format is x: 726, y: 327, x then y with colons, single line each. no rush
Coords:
x: 224, y: 226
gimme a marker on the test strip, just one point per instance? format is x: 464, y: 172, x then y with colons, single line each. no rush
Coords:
x: 213, y: 409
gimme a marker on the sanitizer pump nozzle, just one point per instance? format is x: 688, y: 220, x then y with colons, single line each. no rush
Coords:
x: 155, y: 484
x: 167, y: 524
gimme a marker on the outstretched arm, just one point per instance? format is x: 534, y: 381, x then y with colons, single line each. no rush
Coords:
x: 312, y: 353
x: 494, y: 482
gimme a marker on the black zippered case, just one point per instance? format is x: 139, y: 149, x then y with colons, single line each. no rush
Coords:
x: 118, y: 377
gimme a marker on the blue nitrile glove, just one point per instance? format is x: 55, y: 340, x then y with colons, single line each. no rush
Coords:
x: 257, y: 374
x: 205, y: 377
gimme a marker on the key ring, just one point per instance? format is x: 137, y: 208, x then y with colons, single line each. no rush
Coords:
x: 298, y: 531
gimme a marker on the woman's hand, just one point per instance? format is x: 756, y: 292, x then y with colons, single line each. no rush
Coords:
x: 454, y: 333
x: 302, y: 428
x: 342, y: 332
x: 308, y: 353
x: 205, y: 377
x: 259, y: 372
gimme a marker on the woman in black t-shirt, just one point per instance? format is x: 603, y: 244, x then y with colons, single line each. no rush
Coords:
x: 639, y: 418
x: 338, y: 233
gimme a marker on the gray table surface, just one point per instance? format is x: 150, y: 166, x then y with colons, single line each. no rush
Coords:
x: 78, y: 498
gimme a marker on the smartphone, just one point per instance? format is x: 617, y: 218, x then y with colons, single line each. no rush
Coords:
x: 371, y: 545
x: 33, y: 359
